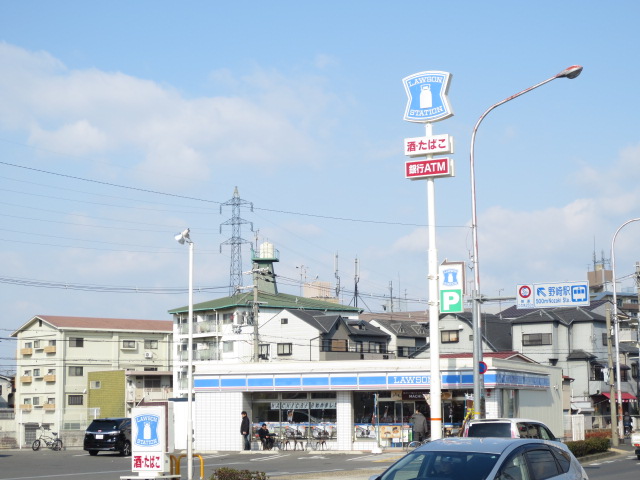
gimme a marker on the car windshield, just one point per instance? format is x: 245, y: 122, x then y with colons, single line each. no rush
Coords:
x: 442, y: 466
x: 489, y: 430
x: 105, y: 425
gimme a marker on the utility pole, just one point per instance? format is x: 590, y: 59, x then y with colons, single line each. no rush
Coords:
x: 638, y: 331
x: 356, y: 279
x: 612, y: 390
x: 256, y: 311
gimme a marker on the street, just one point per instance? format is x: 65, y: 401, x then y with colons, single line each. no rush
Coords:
x: 27, y: 464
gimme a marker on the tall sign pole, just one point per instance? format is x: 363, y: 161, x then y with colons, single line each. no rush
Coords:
x: 428, y: 103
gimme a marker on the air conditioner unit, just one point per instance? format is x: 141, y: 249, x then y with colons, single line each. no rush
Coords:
x: 148, y: 354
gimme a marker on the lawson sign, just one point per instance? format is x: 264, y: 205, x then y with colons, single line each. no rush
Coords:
x: 428, y: 101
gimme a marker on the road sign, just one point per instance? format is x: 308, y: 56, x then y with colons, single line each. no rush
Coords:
x: 451, y: 284
x: 482, y: 368
x: 551, y: 295
x: 433, y: 167
x: 436, y: 144
x: 427, y: 92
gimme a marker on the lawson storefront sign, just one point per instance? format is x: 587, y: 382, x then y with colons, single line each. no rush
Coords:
x: 365, y: 381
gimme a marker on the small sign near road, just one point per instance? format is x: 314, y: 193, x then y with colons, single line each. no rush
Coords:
x: 436, y: 144
x: 551, y: 295
x: 434, y: 167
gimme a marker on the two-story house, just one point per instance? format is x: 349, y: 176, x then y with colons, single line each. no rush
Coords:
x: 56, y: 354
x: 575, y: 339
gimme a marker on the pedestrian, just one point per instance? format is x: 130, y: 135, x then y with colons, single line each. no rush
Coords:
x: 419, y: 426
x: 245, y: 430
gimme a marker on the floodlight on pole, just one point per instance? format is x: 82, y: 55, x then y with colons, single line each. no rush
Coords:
x: 616, y: 335
x: 181, y: 238
x: 570, y: 73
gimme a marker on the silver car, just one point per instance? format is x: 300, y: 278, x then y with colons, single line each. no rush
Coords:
x: 467, y: 458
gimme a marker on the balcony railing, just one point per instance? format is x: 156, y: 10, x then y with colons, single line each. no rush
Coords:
x: 25, y: 407
x: 26, y: 379
x: 49, y: 406
x: 50, y: 378
x: 26, y: 351
x: 50, y: 349
x: 200, y: 355
x: 200, y: 327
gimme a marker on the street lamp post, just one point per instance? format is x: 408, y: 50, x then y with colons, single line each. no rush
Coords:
x: 616, y: 338
x: 181, y: 239
x: 571, y: 72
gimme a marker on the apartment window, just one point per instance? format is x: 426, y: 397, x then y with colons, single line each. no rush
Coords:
x: 597, y: 372
x: 263, y: 351
x: 36, y: 400
x: 28, y: 344
x: 150, y: 369
x: 51, y: 401
x: 76, y: 371
x: 129, y: 344
x: 227, y: 347
x: 227, y: 318
x: 532, y: 339
x: 51, y: 371
x: 36, y: 372
x: 634, y: 370
x: 359, y: 347
x: 284, y: 321
x: 36, y: 344
x: 77, y: 342
x: 375, y: 347
x: 604, y: 339
x: 75, y: 400
x: 284, y: 348
x: 150, y: 344
x: 52, y: 343
x: 152, y: 382
x: 27, y: 373
x: 27, y: 401
x: 95, y: 384
x: 449, y: 336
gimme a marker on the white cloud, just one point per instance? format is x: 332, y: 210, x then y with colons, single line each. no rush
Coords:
x: 278, y: 118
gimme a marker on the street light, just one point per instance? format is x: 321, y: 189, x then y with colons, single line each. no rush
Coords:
x: 181, y: 238
x: 571, y: 72
x: 616, y: 339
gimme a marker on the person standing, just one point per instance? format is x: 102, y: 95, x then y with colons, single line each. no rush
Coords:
x: 419, y: 426
x: 245, y: 430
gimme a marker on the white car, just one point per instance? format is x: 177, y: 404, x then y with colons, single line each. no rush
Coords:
x: 508, y: 427
x: 457, y: 458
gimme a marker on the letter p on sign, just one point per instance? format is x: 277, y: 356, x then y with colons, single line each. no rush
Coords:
x: 451, y: 301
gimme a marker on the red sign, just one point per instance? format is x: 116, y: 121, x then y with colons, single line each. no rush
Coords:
x: 434, y: 167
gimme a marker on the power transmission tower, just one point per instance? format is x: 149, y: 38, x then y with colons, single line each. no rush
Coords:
x: 236, y: 241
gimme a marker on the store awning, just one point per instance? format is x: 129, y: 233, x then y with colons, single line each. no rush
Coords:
x: 626, y: 397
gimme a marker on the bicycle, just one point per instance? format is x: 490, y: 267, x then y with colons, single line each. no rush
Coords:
x: 52, y: 442
x: 416, y: 443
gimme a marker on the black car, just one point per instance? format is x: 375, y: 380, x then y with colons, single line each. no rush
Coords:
x: 108, y: 435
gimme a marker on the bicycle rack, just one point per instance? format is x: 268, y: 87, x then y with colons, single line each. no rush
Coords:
x: 175, y: 462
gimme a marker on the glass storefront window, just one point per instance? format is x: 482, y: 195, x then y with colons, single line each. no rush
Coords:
x: 296, y: 414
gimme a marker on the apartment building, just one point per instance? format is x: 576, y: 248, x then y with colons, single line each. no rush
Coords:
x: 56, y: 355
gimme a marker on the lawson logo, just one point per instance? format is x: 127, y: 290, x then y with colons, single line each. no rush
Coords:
x: 147, y: 430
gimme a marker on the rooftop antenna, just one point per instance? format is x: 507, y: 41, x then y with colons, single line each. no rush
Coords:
x: 335, y: 273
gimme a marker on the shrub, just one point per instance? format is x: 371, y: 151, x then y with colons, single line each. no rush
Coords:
x: 589, y: 446
x: 225, y: 473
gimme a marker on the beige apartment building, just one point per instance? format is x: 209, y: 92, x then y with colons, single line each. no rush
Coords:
x: 57, y: 354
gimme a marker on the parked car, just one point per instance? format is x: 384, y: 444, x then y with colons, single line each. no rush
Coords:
x: 486, y: 458
x: 108, y: 435
x: 508, y: 427
x: 635, y: 441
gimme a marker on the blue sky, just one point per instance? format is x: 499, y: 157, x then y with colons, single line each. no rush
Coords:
x: 122, y: 123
